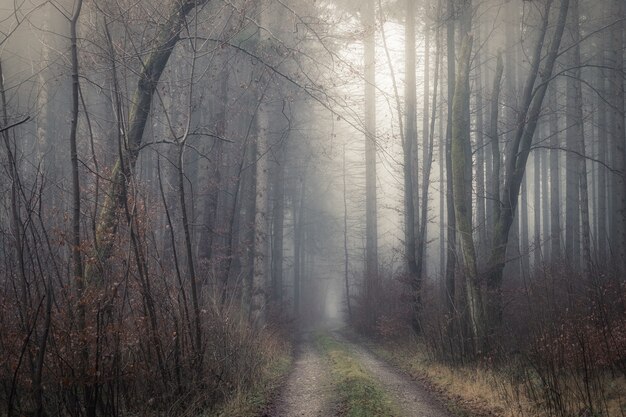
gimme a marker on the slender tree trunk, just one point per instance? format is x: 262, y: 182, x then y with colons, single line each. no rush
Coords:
x: 193, y: 281
x: 494, y: 137
x: 573, y: 137
x: 422, y: 237
x: 214, y: 180
x: 480, y: 162
x: 371, y: 222
x: 79, y: 278
x: 616, y: 86
x: 602, y: 140
x: 298, y: 236
x: 278, y: 222
x: 451, y: 243
x: 537, y: 168
x: 578, y: 138
x: 545, y: 200
x: 523, y: 224
x: 555, y: 179
x: 426, y: 158
x: 346, y: 260
x: 410, y: 139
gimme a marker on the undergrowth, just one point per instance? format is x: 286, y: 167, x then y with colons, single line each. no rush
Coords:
x: 475, y: 390
x: 249, y: 401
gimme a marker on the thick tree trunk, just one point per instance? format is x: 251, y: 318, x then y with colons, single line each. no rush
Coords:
x: 462, y: 193
x: 259, y: 284
x: 532, y: 101
x: 261, y: 224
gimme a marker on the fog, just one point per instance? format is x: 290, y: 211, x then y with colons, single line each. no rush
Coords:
x: 180, y: 178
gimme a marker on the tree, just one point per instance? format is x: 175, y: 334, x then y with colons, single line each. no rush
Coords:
x: 532, y: 100
x: 369, y: 63
x: 164, y: 42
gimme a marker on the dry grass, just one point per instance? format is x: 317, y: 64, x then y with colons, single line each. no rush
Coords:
x: 479, y: 391
x: 250, y: 400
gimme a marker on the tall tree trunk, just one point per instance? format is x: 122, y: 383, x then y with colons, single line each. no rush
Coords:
x: 462, y: 192
x: 214, y: 180
x: 494, y: 137
x: 523, y: 224
x: 555, y: 178
x: 422, y: 236
x: 278, y: 223
x: 410, y: 140
x: 537, y: 194
x: 532, y: 100
x: 480, y: 162
x: 573, y: 137
x: 258, y: 300
x: 298, y: 236
x: 79, y: 278
x: 166, y: 38
x: 371, y: 221
x: 426, y: 157
x: 575, y: 115
x: 616, y: 86
x: 450, y: 290
x: 602, y: 213
x: 346, y: 260
x: 261, y: 224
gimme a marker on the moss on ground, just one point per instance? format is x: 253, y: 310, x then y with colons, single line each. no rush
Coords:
x: 358, y: 393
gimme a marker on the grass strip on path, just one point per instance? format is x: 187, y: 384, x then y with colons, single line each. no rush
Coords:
x: 359, y: 394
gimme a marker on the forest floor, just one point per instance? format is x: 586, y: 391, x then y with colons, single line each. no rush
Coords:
x: 335, y: 374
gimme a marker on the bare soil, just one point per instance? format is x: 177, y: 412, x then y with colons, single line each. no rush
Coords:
x: 308, y: 389
x: 410, y: 396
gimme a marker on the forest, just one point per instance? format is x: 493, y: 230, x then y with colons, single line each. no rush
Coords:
x: 312, y: 208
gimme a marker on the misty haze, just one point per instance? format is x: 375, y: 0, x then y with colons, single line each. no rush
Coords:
x: 257, y: 208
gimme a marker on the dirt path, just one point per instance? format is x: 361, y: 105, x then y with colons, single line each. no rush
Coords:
x: 409, y: 396
x: 307, y: 390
